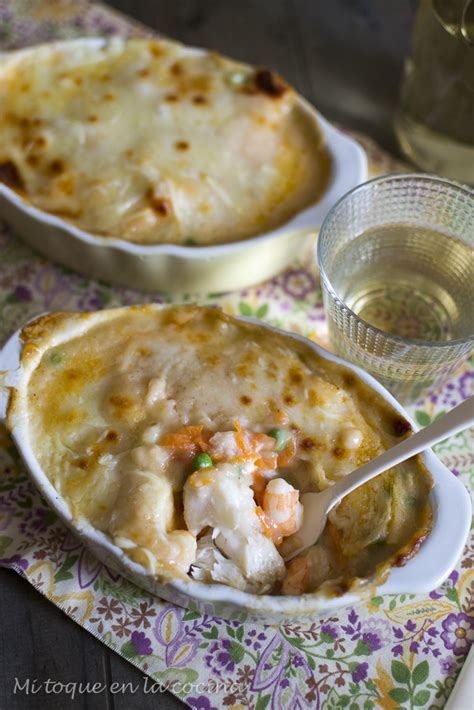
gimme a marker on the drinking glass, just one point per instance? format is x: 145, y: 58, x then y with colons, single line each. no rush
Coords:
x: 396, y: 261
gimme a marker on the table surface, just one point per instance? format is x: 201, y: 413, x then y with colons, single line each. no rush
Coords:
x: 347, y: 58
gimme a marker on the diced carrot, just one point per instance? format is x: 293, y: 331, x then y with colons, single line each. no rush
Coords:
x: 239, y: 436
x: 188, y: 438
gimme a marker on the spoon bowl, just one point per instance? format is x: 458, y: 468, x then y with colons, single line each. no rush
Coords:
x: 316, y: 506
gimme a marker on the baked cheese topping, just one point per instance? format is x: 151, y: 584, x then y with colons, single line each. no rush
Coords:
x: 152, y: 142
x: 188, y: 436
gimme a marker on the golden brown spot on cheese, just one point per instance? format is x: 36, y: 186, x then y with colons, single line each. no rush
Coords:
x: 121, y: 401
x: 171, y: 98
x: 71, y: 417
x: 339, y: 452
x: 245, y: 400
x: 242, y: 370
x: 182, y: 145
x: 129, y: 153
x: 40, y: 142
x: 56, y: 166
x: 314, y: 398
x: 156, y: 50
x: 270, y: 83
x: 295, y: 376
x: 112, y: 435
x: 199, y: 100
x: 81, y: 463
x: 11, y: 176
x: 213, y: 359
x: 92, y: 119
x: 66, y: 184
x: 32, y: 160
x: 144, y: 352
x: 144, y: 72
x: 176, y: 69
x: 308, y: 443
x: 105, y: 77
x: 288, y: 398
x: 109, y: 97
x: 160, y: 205
x: 78, y: 80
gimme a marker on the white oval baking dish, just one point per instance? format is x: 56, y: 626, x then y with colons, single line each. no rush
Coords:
x: 426, y: 570
x: 172, y: 268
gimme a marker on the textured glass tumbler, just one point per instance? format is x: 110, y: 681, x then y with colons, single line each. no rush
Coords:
x: 396, y: 260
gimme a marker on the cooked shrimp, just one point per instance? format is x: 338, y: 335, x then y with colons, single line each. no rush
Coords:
x: 297, y: 576
x: 281, y: 504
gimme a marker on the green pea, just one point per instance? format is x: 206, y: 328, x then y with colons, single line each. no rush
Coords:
x: 202, y: 461
x: 282, y: 437
x: 190, y: 242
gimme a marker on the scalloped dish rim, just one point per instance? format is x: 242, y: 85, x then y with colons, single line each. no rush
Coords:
x: 349, y: 168
x: 428, y: 568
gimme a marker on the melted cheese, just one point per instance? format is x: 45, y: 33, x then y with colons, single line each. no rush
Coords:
x: 110, y: 387
x: 152, y: 142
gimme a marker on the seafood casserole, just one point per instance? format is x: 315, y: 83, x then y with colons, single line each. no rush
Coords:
x: 153, y: 142
x: 187, y: 437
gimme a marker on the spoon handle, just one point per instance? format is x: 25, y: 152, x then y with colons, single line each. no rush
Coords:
x: 452, y: 423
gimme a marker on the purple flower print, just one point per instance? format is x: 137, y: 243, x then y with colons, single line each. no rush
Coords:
x: 372, y: 641
x: 218, y: 657
x: 298, y: 661
x: 141, y: 643
x: 298, y: 283
x: 14, y: 561
x: 89, y: 568
x: 360, y: 672
x: 170, y: 632
x: 466, y: 385
x: 330, y: 630
x: 450, y: 582
x: 447, y: 665
x: 22, y: 293
x: 354, y: 630
x: 255, y: 640
x: 6, y: 515
x: 458, y: 634
x: 378, y: 628
x: 181, y: 652
x: 200, y: 703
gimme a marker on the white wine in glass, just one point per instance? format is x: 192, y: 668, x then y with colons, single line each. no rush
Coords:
x: 435, y: 120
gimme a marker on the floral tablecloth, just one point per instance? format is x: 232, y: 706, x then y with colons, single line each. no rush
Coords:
x: 394, y: 651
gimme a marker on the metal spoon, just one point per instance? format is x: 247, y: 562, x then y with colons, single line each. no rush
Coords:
x: 317, y: 505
